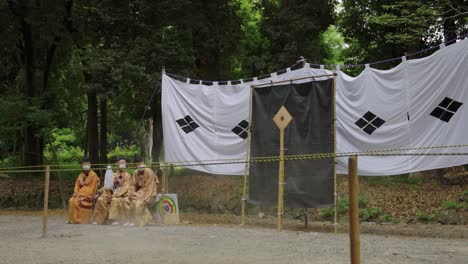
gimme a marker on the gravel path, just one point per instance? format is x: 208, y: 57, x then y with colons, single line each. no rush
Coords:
x: 20, y: 242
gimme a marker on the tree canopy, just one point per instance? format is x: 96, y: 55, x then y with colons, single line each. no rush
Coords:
x: 77, y: 76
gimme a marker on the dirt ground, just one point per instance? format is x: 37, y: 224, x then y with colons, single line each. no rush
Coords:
x: 203, y: 241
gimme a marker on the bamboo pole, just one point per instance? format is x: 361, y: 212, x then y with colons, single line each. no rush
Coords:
x: 163, y: 191
x: 282, y: 120
x: 335, y: 191
x: 46, y: 201
x: 247, y: 158
x: 354, y: 234
x: 281, y: 182
x: 171, y: 174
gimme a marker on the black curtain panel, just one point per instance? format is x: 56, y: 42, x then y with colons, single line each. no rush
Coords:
x: 308, y: 183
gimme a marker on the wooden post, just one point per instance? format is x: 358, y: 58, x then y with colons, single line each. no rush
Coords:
x: 171, y: 173
x: 282, y: 120
x: 247, y: 158
x: 281, y: 182
x: 46, y: 201
x: 163, y: 189
x: 354, y: 234
x: 335, y: 190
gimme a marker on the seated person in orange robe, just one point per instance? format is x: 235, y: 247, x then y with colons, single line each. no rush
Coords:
x: 80, y: 205
x: 146, y: 185
x: 119, y: 210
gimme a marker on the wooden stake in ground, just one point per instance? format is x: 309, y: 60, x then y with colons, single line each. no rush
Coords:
x: 163, y: 190
x: 354, y: 234
x: 247, y: 158
x: 46, y: 201
x: 335, y: 190
x: 282, y: 120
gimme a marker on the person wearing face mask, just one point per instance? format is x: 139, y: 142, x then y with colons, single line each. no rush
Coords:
x: 80, y: 205
x: 146, y: 185
x: 119, y: 210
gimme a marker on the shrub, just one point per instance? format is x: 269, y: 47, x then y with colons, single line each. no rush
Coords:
x: 463, y: 196
x: 385, y: 218
x: 127, y: 153
x: 327, y: 213
x: 342, y: 205
x: 367, y: 214
x: 451, y: 205
x: 424, y: 216
x: 363, y: 201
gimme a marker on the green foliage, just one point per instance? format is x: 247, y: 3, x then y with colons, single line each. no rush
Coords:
x: 327, y: 213
x: 451, y: 205
x: 294, y: 30
x: 126, y: 152
x: 253, y: 45
x: 363, y: 201
x: 463, y: 196
x: 342, y: 207
x: 368, y: 214
x: 53, y: 54
x: 385, y: 218
x: 384, y: 29
x: 64, y: 147
x: 424, y: 216
x: 333, y: 45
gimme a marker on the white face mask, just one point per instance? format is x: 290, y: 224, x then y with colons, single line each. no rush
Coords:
x: 141, y: 168
x: 122, y: 166
x: 86, y: 167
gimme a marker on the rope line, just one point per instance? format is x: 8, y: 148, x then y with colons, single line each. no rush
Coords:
x: 266, y: 159
x: 97, y: 165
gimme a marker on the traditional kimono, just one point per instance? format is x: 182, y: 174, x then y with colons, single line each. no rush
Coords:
x: 146, y: 185
x: 101, y: 210
x: 80, y: 205
x: 119, y: 209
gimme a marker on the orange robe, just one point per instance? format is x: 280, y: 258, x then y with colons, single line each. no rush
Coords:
x: 119, y: 209
x: 101, y: 210
x: 80, y: 205
x: 146, y: 185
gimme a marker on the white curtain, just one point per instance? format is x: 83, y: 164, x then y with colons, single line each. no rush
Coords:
x: 420, y: 103
x: 198, y: 120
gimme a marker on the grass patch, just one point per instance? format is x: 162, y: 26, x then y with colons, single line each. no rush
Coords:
x: 424, y: 216
x: 451, y: 205
x: 342, y: 207
x: 369, y: 214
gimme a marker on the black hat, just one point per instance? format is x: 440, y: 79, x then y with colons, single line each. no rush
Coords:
x: 119, y: 159
x: 137, y: 159
x: 85, y: 159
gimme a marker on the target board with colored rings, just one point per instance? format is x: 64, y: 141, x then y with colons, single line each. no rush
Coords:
x: 168, y: 205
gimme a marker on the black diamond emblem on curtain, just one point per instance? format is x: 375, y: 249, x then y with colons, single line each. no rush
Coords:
x: 369, y: 122
x: 446, y: 109
x: 187, y: 124
x: 241, y: 129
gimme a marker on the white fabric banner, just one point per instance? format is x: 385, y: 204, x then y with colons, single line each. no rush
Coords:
x: 405, y: 98
x: 371, y: 114
x: 198, y: 120
x: 419, y: 103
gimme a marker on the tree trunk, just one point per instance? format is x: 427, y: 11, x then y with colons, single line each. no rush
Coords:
x: 157, y: 130
x: 30, y: 148
x: 147, y: 140
x: 103, y: 131
x: 92, y: 128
